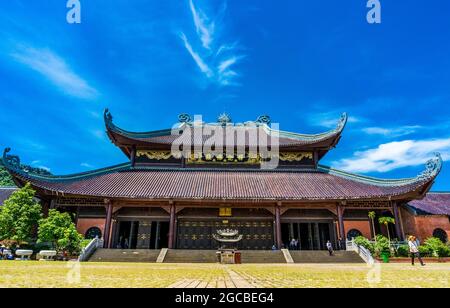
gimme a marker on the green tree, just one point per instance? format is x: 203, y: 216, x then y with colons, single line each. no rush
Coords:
x: 372, y: 216
x: 19, y: 215
x: 386, y: 221
x: 59, y: 229
x: 5, y: 177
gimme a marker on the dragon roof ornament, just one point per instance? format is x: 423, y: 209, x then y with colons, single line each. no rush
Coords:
x: 432, y: 167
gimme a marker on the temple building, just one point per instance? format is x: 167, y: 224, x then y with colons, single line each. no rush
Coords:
x: 178, y: 199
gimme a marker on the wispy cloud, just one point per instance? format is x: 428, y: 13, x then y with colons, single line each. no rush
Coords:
x: 200, y: 62
x: 214, y: 58
x: 55, y: 69
x: 394, y: 155
x: 205, y: 28
x: 392, y: 131
x: 86, y: 165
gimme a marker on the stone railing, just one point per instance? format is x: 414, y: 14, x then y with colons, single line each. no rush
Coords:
x: 89, y: 250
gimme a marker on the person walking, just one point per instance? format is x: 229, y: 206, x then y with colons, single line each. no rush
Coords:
x: 330, y: 248
x: 414, y: 249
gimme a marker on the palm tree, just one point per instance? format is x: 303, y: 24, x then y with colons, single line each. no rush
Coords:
x: 386, y: 221
x: 372, y: 216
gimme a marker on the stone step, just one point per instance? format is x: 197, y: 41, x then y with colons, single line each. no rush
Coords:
x: 262, y: 256
x: 125, y: 255
x: 318, y: 256
x: 190, y: 256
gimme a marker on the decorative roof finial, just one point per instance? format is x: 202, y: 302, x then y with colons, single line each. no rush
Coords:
x: 107, y: 116
x: 432, y: 167
x: 10, y: 160
x: 342, y: 121
x: 184, y: 118
x: 224, y: 119
x: 263, y: 119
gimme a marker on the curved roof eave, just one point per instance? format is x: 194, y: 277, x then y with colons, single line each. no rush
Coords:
x: 419, y: 184
x: 432, y: 169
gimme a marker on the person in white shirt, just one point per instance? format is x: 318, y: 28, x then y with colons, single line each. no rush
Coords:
x: 414, y: 249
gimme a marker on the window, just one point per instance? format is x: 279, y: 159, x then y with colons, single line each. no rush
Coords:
x: 353, y: 233
x: 92, y: 233
x: 440, y: 234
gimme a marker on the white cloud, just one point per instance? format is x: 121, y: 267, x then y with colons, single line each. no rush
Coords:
x: 213, y: 57
x: 55, y: 69
x: 394, y: 155
x: 86, y: 165
x: 204, y: 29
x: 391, y: 132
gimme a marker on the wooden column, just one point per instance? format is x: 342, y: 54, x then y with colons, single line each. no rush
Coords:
x: 107, y: 231
x: 278, y: 227
x: 398, y: 228
x: 172, y: 229
x: 340, y: 214
x: 133, y: 156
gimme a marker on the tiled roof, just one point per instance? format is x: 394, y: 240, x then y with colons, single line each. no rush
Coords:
x: 283, y: 138
x: 434, y: 203
x: 5, y: 192
x: 324, y: 183
x: 152, y: 183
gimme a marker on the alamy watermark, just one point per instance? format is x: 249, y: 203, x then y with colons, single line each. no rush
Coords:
x: 74, y: 14
x: 374, y: 14
x: 249, y: 142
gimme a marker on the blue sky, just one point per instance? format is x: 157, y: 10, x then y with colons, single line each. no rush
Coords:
x: 301, y: 62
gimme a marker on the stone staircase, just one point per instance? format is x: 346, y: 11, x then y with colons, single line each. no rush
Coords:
x: 262, y: 256
x: 319, y: 256
x: 124, y: 255
x: 190, y: 256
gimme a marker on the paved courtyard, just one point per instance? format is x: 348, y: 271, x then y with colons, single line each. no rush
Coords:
x: 58, y: 274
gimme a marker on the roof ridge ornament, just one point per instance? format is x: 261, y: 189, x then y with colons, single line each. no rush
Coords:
x: 263, y: 119
x: 432, y: 167
x: 184, y: 118
x: 224, y: 119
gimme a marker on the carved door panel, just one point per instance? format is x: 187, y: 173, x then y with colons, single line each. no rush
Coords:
x: 144, y: 234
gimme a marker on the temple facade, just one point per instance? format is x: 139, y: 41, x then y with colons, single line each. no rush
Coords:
x: 178, y: 187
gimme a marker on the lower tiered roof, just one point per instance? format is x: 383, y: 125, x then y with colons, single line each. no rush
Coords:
x: 125, y: 181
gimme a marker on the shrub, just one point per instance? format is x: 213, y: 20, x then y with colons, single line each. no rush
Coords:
x: 403, y: 251
x: 436, y: 247
x: 424, y: 251
x: 382, y: 245
x: 362, y: 241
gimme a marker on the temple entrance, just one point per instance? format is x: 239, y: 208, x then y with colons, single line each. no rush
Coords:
x: 310, y: 235
x: 257, y: 235
x: 142, y: 234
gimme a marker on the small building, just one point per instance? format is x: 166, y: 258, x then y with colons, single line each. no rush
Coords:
x: 177, y: 188
x: 429, y: 216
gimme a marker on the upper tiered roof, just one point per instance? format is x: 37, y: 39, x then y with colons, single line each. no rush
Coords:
x: 163, y: 139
